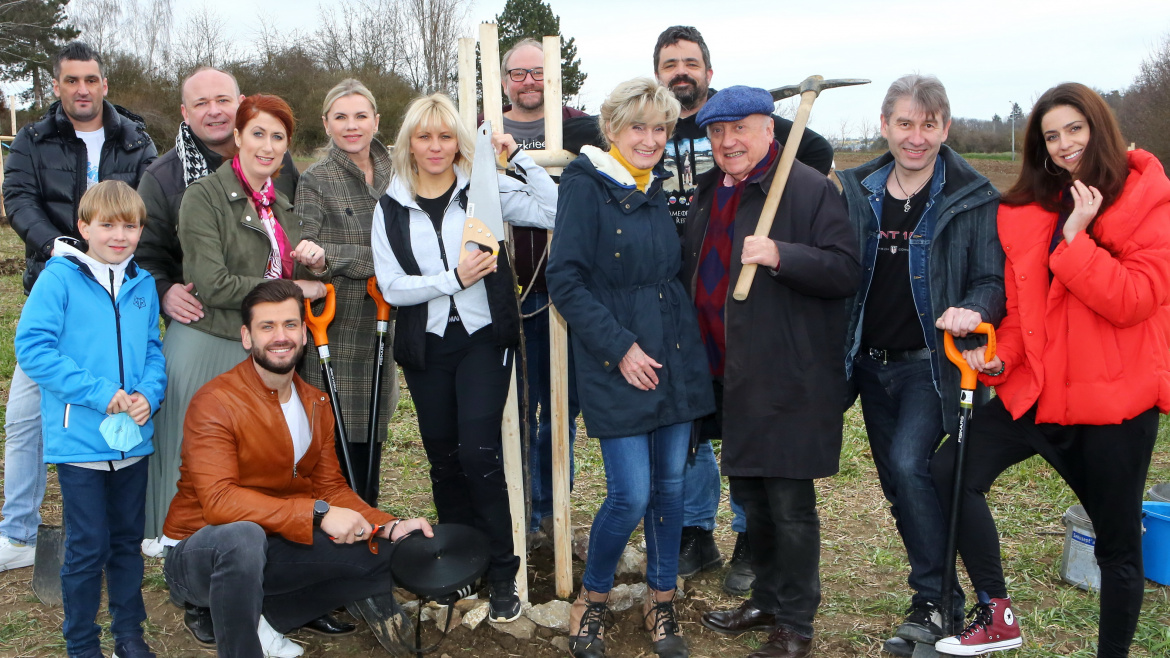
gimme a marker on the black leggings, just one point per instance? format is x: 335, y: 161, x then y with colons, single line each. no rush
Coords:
x: 1105, y: 465
x: 460, y: 399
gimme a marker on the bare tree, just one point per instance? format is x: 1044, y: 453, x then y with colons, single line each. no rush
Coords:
x: 141, y: 28
x: 360, y: 35
x: 204, y: 41
x: 843, y: 140
x: 435, y: 28
x: 98, y: 21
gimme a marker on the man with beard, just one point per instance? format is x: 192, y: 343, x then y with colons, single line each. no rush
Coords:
x: 210, y: 98
x: 683, y: 63
x: 265, y: 521
x: 80, y: 141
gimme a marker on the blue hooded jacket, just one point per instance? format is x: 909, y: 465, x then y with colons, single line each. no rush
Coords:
x: 80, y: 345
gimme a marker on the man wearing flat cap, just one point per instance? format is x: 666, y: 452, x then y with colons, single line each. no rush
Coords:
x: 777, y: 354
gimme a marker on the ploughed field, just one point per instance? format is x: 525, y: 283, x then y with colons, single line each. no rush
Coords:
x: 863, y: 565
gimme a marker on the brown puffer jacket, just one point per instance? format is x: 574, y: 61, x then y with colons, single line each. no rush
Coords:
x: 238, y: 461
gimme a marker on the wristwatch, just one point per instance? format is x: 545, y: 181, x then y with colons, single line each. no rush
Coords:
x: 320, y: 509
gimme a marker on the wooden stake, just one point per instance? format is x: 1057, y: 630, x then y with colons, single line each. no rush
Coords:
x: 562, y: 443
x: 467, y: 108
x: 489, y: 67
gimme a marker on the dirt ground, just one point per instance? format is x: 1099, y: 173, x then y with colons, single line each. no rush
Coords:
x: 1001, y: 173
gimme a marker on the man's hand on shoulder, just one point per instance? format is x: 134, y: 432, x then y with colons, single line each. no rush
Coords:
x: 178, y: 303
x: 345, y: 526
x: 395, y: 531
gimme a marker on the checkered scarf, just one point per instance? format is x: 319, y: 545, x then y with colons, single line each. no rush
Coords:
x: 194, y: 164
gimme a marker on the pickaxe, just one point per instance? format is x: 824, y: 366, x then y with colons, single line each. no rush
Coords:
x: 808, y: 90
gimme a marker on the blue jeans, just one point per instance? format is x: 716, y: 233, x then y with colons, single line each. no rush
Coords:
x: 105, y: 512
x: 903, y: 418
x: 536, y: 347
x: 701, y: 493
x: 24, y: 472
x: 643, y: 480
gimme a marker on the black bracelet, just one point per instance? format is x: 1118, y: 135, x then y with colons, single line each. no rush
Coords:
x: 393, y: 525
x: 516, y: 152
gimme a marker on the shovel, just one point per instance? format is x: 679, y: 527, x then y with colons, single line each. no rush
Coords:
x: 319, y: 325
x: 376, y: 433
x: 47, y: 561
x: 967, y: 383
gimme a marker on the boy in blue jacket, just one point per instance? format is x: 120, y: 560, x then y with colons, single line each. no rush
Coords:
x: 89, y: 337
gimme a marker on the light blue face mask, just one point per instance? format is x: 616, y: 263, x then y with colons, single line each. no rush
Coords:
x: 121, y: 432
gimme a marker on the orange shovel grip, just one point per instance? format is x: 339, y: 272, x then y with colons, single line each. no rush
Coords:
x: 969, y: 376
x: 318, y: 324
x: 376, y: 294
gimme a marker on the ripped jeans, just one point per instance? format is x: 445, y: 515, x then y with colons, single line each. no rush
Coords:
x: 459, y: 397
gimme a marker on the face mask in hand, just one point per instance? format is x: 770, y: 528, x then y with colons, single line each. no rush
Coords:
x: 121, y: 432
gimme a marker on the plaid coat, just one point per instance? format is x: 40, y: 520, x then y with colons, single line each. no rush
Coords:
x: 338, y: 207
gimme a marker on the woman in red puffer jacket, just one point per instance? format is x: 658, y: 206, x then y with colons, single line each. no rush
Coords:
x: 1082, y: 367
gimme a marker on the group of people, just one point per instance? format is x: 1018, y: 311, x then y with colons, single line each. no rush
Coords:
x: 239, y: 481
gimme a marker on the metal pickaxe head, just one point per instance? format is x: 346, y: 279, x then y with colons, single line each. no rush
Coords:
x: 813, y: 83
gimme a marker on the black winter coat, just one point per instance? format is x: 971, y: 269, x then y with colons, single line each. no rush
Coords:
x: 44, y: 176
x: 613, y: 274
x: 784, y: 380
x: 162, y: 191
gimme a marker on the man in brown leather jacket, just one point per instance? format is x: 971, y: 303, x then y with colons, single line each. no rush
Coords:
x: 265, y: 520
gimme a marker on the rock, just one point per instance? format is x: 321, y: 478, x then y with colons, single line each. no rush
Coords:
x: 623, y: 597
x: 463, y: 605
x: 521, y: 629
x: 475, y: 615
x: 554, y: 614
x: 438, y: 614
x: 507, y: 643
x: 411, y: 607
x: 631, y: 561
x: 561, y: 642
x: 581, y: 543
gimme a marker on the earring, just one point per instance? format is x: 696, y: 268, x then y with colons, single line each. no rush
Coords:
x: 1048, y: 160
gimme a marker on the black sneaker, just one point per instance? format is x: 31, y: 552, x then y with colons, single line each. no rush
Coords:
x: 504, y: 603
x: 697, y: 552
x: 923, y: 624
x: 740, y: 576
x: 896, y: 646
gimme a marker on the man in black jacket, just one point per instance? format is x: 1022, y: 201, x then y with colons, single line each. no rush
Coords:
x: 210, y: 98
x: 683, y: 63
x: 777, y: 354
x: 80, y: 141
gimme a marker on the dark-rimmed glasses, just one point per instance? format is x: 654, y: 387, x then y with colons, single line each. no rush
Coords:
x: 518, y: 75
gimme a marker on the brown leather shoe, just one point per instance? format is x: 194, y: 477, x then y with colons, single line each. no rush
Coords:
x: 746, y: 617
x: 784, y: 643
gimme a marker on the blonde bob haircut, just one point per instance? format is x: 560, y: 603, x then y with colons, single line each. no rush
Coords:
x: 641, y: 100
x: 111, y: 201
x: 347, y: 87
x: 432, y: 112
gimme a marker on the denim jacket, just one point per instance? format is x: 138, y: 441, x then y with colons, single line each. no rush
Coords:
x: 955, y: 256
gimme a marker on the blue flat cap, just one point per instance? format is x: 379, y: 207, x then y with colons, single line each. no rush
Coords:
x: 735, y: 103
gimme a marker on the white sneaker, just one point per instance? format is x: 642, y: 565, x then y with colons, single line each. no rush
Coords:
x: 274, y: 644
x: 152, y: 547
x: 14, y: 555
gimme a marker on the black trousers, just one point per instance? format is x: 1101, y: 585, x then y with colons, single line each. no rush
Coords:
x: 784, y: 532
x: 460, y: 398
x: 1105, y: 465
x: 238, y: 571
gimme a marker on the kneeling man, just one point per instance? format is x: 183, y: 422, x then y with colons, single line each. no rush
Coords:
x: 266, y: 521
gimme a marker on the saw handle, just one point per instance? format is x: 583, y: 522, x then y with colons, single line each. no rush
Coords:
x: 969, y: 376
x: 318, y: 324
x: 376, y: 294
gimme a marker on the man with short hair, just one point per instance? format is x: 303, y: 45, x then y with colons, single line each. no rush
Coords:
x: 523, y: 81
x: 80, y: 141
x: 682, y: 62
x: 210, y: 98
x: 264, y: 519
x: 925, y: 223
x: 777, y: 354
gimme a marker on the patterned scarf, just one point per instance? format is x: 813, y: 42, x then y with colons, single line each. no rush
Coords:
x: 715, y: 264
x: 280, y: 265
x: 194, y: 164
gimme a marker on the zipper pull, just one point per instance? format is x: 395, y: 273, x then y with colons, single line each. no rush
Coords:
x: 294, y: 470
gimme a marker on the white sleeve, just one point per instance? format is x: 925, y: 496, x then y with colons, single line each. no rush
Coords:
x: 531, y: 202
x: 398, y: 287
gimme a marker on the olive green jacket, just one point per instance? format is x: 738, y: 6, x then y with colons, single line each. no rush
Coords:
x: 225, y: 248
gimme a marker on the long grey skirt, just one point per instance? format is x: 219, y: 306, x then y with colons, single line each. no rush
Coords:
x: 193, y: 359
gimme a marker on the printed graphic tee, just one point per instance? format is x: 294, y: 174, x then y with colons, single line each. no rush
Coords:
x: 890, y: 321
x: 93, y: 145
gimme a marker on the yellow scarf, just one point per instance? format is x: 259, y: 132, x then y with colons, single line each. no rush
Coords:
x: 641, y: 176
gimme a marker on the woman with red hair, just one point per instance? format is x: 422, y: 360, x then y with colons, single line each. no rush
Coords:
x: 236, y: 230
x: 1082, y: 368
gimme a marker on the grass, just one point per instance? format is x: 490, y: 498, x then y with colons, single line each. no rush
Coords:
x: 988, y: 156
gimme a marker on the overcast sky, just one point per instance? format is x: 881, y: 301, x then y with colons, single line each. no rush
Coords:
x: 987, y: 53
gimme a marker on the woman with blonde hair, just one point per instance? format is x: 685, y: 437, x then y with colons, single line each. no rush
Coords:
x: 642, y: 372
x: 337, y: 196
x: 458, y: 323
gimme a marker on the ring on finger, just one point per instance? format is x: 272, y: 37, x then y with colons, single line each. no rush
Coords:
x: 360, y: 532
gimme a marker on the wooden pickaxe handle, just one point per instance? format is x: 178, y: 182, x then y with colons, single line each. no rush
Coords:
x: 772, y: 202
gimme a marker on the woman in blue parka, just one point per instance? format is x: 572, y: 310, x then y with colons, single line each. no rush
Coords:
x: 642, y: 373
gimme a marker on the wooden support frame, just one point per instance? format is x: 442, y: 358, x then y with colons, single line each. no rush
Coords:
x: 553, y: 158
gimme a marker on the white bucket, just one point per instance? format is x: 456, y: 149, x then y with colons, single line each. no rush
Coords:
x: 1078, y: 565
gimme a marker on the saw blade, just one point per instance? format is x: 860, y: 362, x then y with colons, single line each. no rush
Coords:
x: 483, y: 196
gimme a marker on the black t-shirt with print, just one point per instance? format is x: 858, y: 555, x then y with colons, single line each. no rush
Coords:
x: 891, y: 319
